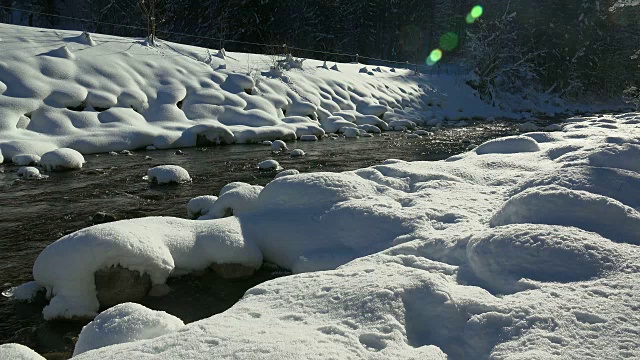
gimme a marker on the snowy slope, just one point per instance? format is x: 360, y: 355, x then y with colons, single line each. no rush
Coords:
x: 98, y: 93
x: 511, y: 251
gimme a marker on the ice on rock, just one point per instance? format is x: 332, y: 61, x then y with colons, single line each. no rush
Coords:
x: 18, y: 352
x: 200, y: 206
x: 279, y: 145
x: 25, y: 159
x: 125, y: 323
x: 269, y: 165
x: 287, y: 173
x: 508, y: 145
x: 297, y: 153
x: 29, y: 172
x: 168, y: 174
x: 309, y: 138
x: 62, y: 159
x: 157, y: 246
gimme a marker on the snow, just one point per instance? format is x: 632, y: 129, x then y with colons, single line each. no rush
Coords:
x: 297, y: 153
x: 279, y: 145
x: 200, y: 206
x: 98, y: 93
x: 309, y: 138
x: 158, y: 246
x: 125, y: 323
x: 510, y: 254
x: 508, y: 145
x: 167, y: 174
x: 269, y: 165
x: 25, y: 159
x: 24, y: 292
x: 351, y: 133
x: 18, y: 352
x: 62, y: 159
x: 287, y: 173
x: 29, y: 172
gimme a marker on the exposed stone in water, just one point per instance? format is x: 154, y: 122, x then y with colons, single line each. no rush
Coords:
x: 233, y: 271
x: 103, y: 218
x: 117, y: 285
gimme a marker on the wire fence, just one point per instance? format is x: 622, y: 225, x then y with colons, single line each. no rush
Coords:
x: 9, y: 17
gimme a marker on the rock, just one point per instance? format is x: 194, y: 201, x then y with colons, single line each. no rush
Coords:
x: 103, y: 218
x: 159, y: 290
x: 233, y: 271
x: 117, y: 285
x: 179, y: 152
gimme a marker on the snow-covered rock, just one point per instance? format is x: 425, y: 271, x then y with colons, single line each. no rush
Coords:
x: 125, y: 323
x: 508, y: 145
x: 308, y: 138
x: 200, y: 206
x: 297, y: 153
x: 29, y: 172
x: 269, y: 165
x: 158, y: 247
x: 287, y: 173
x: 18, y: 352
x: 62, y: 159
x: 168, y: 174
x: 351, y: 133
x: 527, y: 127
x: 26, y: 159
x: 279, y: 145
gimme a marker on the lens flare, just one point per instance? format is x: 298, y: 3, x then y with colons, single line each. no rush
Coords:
x: 470, y: 19
x: 449, y: 41
x: 434, y: 57
x: 477, y: 11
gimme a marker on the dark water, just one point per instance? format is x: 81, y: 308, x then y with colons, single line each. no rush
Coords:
x: 33, y: 214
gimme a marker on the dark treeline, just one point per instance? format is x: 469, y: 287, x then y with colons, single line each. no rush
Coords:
x: 567, y: 46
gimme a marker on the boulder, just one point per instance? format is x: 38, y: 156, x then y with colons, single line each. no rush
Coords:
x: 117, y: 285
x: 233, y: 271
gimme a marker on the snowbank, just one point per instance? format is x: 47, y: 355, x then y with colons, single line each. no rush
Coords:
x: 125, y: 323
x: 508, y: 145
x: 167, y: 174
x: 113, y: 93
x: 500, y: 256
x: 156, y: 246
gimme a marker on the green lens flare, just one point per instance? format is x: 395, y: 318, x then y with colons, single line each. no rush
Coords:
x: 470, y: 19
x: 477, y: 11
x: 435, y: 56
x: 449, y: 41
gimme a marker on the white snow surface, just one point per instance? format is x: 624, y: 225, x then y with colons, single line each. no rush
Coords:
x: 58, y: 90
x: 167, y: 174
x: 158, y: 246
x: 125, y: 323
x: 525, y: 255
x: 18, y: 352
x: 62, y: 159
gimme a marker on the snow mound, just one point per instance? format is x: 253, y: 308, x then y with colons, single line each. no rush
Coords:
x: 297, y: 153
x: 351, y: 133
x: 235, y: 199
x: 18, y: 352
x: 502, y: 256
x: 62, y: 159
x: 269, y: 165
x: 26, y: 159
x: 125, y: 323
x: 508, y: 145
x: 556, y: 205
x: 29, y: 172
x: 167, y: 174
x: 287, y: 173
x: 620, y: 156
x: 279, y: 145
x: 200, y: 206
x: 157, y: 246
x: 24, y: 292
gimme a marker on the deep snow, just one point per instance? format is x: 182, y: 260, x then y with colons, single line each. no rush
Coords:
x: 508, y: 254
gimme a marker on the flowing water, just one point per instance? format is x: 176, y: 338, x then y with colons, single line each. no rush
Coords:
x: 34, y: 213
